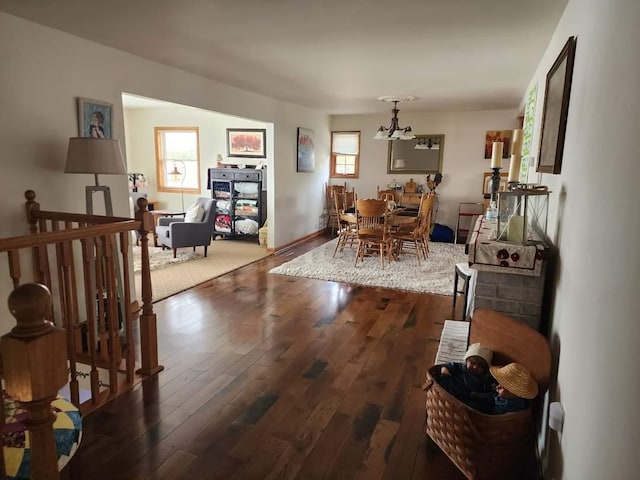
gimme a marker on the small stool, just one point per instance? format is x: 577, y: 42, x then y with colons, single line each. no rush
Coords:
x: 463, y: 271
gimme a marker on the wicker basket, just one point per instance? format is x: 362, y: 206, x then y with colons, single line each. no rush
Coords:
x: 480, y: 445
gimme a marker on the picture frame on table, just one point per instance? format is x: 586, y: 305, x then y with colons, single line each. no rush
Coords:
x: 555, y: 110
x: 94, y: 118
x: 305, y: 150
x: 247, y: 142
x: 486, y: 184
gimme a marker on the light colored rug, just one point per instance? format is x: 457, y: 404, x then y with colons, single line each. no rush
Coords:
x: 159, y: 258
x: 435, y: 275
x: 223, y: 256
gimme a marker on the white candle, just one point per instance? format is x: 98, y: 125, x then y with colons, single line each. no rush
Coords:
x: 496, y: 155
x: 517, y: 142
x: 514, y: 168
x: 515, y: 229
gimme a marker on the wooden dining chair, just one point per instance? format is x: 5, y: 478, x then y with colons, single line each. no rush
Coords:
x: 426, y: 209
x: 347, y: 225
x: 373, y: 235
x: 350, y: 200
x: 387, y: 195
x: 415, y: 238
x: 330, y: 193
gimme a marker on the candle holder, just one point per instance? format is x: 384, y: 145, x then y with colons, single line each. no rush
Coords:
x: 495, y: 184
x: 492, y: 209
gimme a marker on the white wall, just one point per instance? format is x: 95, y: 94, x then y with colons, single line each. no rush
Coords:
x: 140, y: 145
x: 463, y: 163
x: 45, y: 70
x: 594, y: 222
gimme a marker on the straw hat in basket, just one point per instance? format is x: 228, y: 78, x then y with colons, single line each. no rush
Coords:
x: 517, y: 379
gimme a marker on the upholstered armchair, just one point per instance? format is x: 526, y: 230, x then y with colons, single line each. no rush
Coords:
x: 190, y: 231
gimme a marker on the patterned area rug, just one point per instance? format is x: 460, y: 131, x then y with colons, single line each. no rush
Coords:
x: 159, y: 258
x: 435, y: 275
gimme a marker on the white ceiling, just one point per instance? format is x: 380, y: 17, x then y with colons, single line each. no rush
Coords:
x: 334, y: 55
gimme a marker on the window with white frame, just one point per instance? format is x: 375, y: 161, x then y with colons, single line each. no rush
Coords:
x: 178, y: 159
x: 345, y: 154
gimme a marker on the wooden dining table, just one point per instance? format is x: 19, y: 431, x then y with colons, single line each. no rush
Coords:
x: 394, y: 220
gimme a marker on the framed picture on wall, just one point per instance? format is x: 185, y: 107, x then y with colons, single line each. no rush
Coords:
x: 503, y: 136
x: 247, y: 142
x: 555, y: 110
x: 94, y: 118
x: 306, y: 151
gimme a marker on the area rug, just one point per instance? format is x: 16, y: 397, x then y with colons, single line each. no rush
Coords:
x: 159, y: 258
x: 223, y: 256
x: 435, y: 275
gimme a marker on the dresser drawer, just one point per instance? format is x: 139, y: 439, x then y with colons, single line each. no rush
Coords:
x: 247, y: 175
x: 227, y: 175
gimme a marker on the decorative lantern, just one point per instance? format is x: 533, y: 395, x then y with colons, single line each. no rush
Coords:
x: 522, y: 215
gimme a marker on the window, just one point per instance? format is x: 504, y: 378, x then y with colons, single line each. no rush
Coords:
x: 178, y: 151
x: 345, y: 154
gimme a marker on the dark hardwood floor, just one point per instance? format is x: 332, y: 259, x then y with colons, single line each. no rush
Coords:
x: 270, y: 377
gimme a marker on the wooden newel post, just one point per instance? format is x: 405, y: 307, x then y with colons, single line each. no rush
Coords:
x: 148, y: 322
x: 35, y: 369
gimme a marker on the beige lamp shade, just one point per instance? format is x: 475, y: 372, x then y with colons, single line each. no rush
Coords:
x: 94, y: 155
x: 399, y: 163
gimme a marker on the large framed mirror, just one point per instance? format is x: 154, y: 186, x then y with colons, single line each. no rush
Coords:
x: 404, y: 157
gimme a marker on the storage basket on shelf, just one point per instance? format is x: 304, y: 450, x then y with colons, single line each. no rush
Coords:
x: 486, y: 446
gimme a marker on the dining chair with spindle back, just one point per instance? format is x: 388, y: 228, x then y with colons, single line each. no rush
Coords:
x: 415, y: 238
x: 330, y: 193
x: 373, y: 235
x: 347, y: 225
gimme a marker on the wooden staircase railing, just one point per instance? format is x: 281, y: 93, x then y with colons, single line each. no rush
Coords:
x: 84, y: 260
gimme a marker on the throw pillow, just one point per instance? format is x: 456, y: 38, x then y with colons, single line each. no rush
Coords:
x: 195, y: 213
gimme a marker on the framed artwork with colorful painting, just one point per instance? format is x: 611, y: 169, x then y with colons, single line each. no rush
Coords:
x: 503, y: 136
x: 247, y: 142
x: 306, y: 151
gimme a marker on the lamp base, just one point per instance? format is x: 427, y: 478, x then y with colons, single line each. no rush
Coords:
x: 90, y: 190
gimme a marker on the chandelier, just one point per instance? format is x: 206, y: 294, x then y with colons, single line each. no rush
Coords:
x: 427, y: 144
x: 395, y: 131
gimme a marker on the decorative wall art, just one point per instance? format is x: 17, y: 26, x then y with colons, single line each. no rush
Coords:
x: 556, y: 106
x: 527, y: 128
x: 94, y: 118
x: 306, y: 151
x: 246, y: 142
x: 503, y: 136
